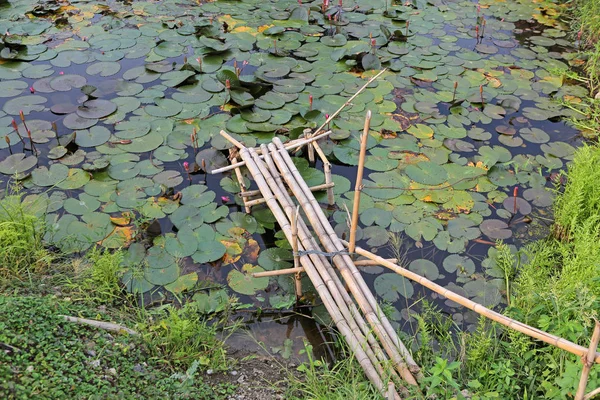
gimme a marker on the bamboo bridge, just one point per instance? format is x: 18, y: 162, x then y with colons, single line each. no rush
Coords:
x: 328, y: 261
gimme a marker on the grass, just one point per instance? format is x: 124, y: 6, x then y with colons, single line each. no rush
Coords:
x: 44, y: 357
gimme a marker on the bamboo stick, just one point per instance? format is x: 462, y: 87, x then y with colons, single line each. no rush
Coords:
x: 592, y: 394
x: 327, y: 171
x: 478, y: 308
x: 347, y: 103
x: 286, y: 271
x: 320, y: 286
x: 327, y: 273
x: 372, y: 314
x: 240, y: 180
x: 297, y: 280
x: 316, y: 188
x: 289, y: 146
x: 358, y: 184
x: 310, y: 147
x: 368, y: 263
x: 588, y: 361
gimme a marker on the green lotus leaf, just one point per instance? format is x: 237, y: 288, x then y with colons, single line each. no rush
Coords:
x: 183, y: 283
x: 96, y: 109
x: 27, y: 104
x: 162, y: 276
x: 275, y: 258
x: 425, y: 268
x: 427, y: 172
x: 164, y: 108
x: 391, y: 286
x: 17, y: 164
x: 45, y: 177
x: 243, y: 282
x: 66, y: 82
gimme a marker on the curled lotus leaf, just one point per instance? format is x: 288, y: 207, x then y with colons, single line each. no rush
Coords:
x: 495, y: 229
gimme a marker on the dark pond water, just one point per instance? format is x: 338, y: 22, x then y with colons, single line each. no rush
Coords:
x: 466, y: 139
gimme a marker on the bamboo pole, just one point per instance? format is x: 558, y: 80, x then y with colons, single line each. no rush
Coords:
x: 478, y: 308
x: 297, y: 280
x: 373, y: 314
x: 278, y: 272
x: 289, y: 146
x: 316, y: 188
x: 255, y: 202
x: 327, y: 171
x: 588, y: 361
x: 240, y: 180
x: 369, y: 263
x: 358, y: 184
x: 327, y: 273
x: 322, y: 289
x: 310, y: 147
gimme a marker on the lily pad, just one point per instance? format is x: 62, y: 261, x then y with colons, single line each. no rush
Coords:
x: 243, y: 282
x: 391, y: 286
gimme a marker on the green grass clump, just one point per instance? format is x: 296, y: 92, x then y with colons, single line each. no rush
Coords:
x: 580, y: 202
x: 98, y: 276
x: 44, y: 357
x: 21, y: 232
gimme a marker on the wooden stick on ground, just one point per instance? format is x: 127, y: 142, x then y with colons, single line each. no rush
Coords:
x: 592, y: 394
x: 478, y: 308
x: 358, y: 185
x: 109, y: 326
x: 588, y: 361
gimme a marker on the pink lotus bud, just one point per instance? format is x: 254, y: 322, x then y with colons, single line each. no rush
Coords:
x: 326, y: 3
x: 225, y: 199
x: 22, y: 115
x: 14, y: 125
x: 326, y: 116
x: 373, y: 42
x: 340, y: 3
x: 61, y: 73
x: 31, y: 89
x: 478, y: 9
x: 227, y: 84
x: 199, y: 60
x: 244, y: 63
x: 310, y: 100
x: 186, y: 166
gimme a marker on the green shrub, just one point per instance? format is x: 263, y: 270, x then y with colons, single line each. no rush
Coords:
x: 98, y: 275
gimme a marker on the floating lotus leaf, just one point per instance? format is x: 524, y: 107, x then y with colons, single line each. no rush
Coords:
x: 463, y: 227
x: 274, y: 258
x: 162, y: 276
x: 75, y: 122
x: 517, y: 205
x: 12, y: 88
x: 17, y: 164
x: 495, y: 229
x: 539, y: 196
x: 57, y: 152
x: 103, y: 68
x: 391, y: 286
x: 197, y: 196
x: 534, y: 135
x: 243, y: 282
x: 164, y: 108
x: 184, y: 245
x: 211, y: 301
x: 187, y: 216
x: 427, y: 173
x: 96, y: 109
x: 44, y: 176
x: 64, y: 83
x: 93, y: 137
x: 213, y: 159
x: 83, y: 205
x: 170, y: 179
x: 135, y: 282
x: 425, y: 268
x: 483, y: 292
x: 209, y: 251
x: 26, y: 104
x: 183, y: 283
x: 459, y: 264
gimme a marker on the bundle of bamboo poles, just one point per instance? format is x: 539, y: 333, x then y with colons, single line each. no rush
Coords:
x: 359, y: 318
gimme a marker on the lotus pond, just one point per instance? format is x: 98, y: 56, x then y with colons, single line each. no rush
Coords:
x: 110, y: 113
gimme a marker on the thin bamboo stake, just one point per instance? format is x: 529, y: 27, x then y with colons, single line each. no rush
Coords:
x: 327, y: 171
x: 316, y: 188
x: 347, y: 103
x: 369, y: 263
x: 297, y: 280
x: 391, y: 391
x: 278, y: 272
x: 310, y: 147
x: 290, y: 146
x: 372, y: 313
x: 588, y: 361
x: 480, y: 309
x: 320, y: 286
x: 358, y: 185
x: 240, y: 180
x: 355, y: 320
x: 592, y: 394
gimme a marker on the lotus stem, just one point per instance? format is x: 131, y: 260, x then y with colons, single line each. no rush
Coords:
x: 482, y: 27
x: 16, y: 128
x: 477, y: 33
x: 55, y: 129
x: 310, y: 102
x: 23, y: 120
x: 33, y: 149
x: 515, y: 194
x: 407, y: 25
x: 186, y: 167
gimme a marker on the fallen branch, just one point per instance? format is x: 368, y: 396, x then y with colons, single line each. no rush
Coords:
x: 109, y: 326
